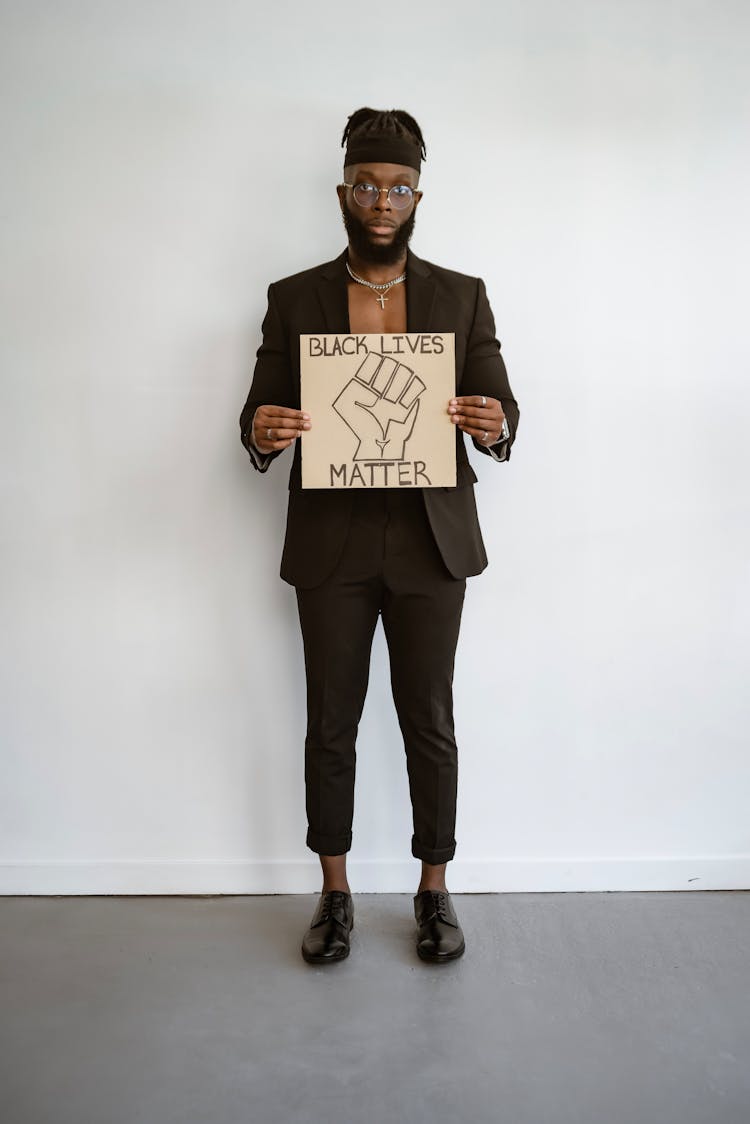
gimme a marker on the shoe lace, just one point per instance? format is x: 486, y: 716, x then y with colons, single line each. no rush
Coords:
x: 330, y: 897
x: 441, y: 903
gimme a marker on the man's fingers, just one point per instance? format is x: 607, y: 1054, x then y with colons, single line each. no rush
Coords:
x: 277, y: 421
x: 469, y: 409
x: 491, y: 430
x: 277, y: 427
x: 488, y: 413
x: 271, y: 446
x: 280, y: 417
x: 474, y: 400
x: 278, y: 433
x: 281, y: 412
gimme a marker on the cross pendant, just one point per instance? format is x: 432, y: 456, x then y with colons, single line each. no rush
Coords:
x: 382, y: 298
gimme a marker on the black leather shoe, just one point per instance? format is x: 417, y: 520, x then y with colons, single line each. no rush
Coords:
x: 327, y: 939
x: 439, y: 935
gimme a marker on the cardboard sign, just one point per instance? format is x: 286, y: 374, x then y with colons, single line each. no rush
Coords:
x: 379, y: 410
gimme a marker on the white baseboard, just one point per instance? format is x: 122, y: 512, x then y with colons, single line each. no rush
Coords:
x: 296, y: 876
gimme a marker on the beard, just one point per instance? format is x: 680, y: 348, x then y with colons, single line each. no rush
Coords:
x: 377, y: 253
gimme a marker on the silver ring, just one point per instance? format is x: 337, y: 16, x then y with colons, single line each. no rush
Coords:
x: 484, y: 400
x: 485, y: 435
x: 268, y: 435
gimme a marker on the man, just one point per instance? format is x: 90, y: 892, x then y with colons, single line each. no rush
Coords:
x: 358, y: 553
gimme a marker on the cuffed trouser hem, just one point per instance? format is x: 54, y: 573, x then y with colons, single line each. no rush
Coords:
x: 433, y: 856
x: 329, y: 844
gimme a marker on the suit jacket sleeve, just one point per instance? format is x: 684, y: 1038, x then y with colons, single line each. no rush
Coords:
x: 484, y: 371
x: 272, y: 380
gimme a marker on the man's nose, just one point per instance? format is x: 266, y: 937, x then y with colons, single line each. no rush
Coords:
x: 383, y: 202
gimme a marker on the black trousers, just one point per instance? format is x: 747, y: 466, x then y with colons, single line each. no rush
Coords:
x: 391, y: 567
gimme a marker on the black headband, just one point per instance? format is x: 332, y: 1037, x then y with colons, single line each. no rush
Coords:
x: 383, y: 149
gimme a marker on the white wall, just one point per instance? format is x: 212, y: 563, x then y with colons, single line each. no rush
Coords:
x: 163, y: 163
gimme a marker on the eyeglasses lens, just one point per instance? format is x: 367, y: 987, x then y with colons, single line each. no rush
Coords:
x: 367, y: 195
x: 400, y: 196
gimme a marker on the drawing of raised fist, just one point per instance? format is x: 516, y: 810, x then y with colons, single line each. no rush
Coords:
x: 380, y: 405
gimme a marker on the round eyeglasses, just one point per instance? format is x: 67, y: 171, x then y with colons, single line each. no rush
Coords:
x: 367, y: 194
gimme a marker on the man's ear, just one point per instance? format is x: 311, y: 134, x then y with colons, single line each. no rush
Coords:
x: 341, y: 192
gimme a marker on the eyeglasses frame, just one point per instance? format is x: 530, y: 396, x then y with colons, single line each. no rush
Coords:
x: 416, y: 194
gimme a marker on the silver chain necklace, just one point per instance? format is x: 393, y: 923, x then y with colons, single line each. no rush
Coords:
x: 384, y: 285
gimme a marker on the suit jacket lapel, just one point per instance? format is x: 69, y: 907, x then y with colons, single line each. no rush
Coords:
x: 332, y: 294
x: 420, y: 294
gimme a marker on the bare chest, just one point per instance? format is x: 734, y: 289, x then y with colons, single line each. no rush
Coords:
x: 367, y: 317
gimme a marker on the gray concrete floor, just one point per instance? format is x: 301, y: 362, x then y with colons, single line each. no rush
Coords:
x: 621, y: 1008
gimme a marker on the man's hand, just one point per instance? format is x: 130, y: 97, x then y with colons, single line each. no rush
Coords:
x: 478, y: 416
x: 276, y: 427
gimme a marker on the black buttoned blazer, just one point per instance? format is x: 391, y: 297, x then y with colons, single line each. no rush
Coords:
x: 315, y: 302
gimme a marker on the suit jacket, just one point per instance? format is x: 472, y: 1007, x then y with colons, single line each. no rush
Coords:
x: 316, y: 301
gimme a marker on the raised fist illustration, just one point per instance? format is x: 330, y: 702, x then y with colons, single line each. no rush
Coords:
x: 380, y: 405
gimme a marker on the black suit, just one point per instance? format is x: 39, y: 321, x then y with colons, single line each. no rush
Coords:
x: 355, y: 555
x: 437, y: 300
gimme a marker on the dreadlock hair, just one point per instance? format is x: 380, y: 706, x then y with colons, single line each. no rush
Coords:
x: 397, y: 123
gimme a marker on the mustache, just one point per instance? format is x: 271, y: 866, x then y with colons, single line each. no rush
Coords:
x: 359, y: 238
